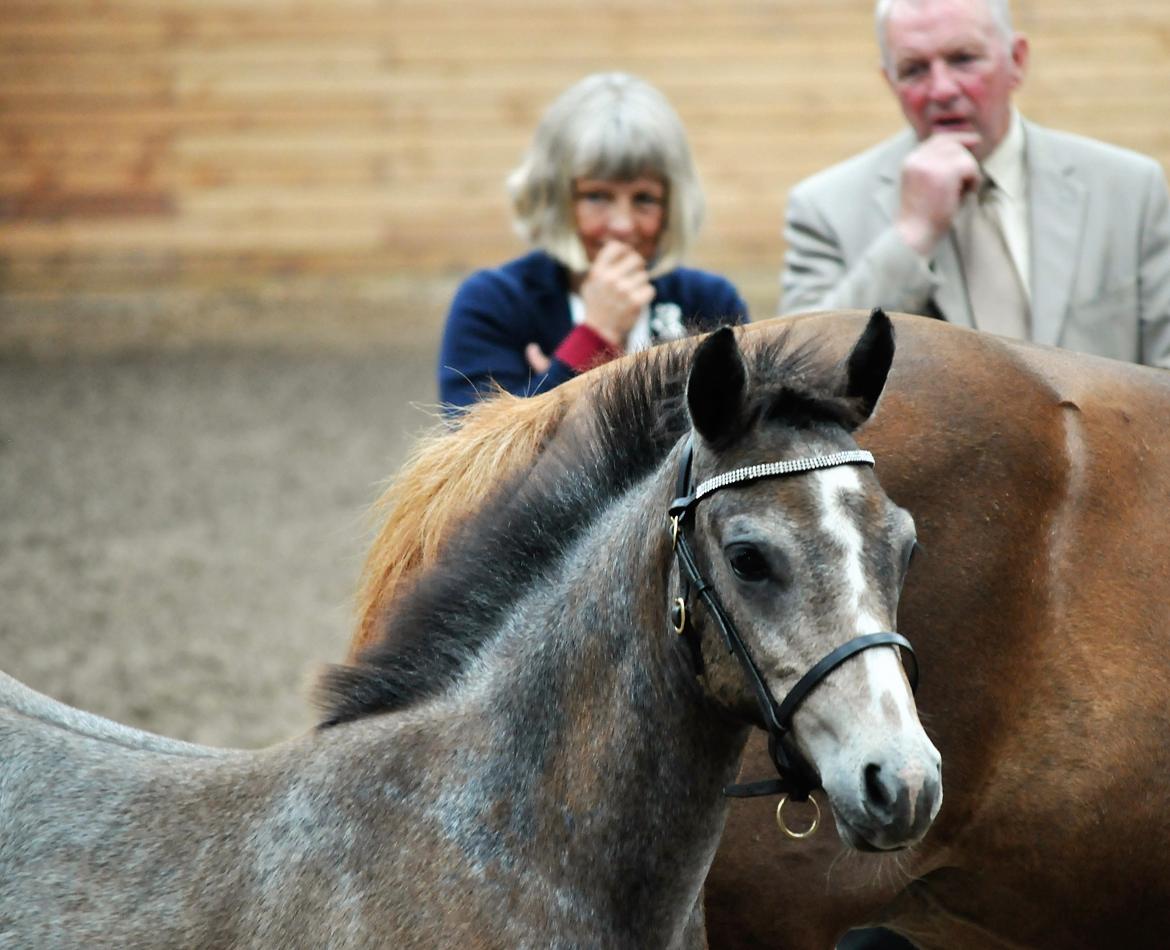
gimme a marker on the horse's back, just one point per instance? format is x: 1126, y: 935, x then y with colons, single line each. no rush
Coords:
x: 16, y: 699
x: 113, y: 837
x: 82, y: 800
x: 1083, y: 436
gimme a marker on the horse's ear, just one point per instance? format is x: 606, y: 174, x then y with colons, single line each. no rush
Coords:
x: 868, y: 365
x: 717, y: 387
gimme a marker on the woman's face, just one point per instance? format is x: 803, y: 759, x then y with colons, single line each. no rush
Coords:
x: 633, y: 212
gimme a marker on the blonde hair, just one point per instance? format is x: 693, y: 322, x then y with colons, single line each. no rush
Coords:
x: 614, y: 127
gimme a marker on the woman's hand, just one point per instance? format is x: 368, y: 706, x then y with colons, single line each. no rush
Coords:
x: 615, y: 291
x: 537, y: 359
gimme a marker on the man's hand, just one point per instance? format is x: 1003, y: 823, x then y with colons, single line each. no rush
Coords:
x: 615, y: 290
x: 936, y: 177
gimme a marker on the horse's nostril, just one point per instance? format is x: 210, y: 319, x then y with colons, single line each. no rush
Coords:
x: 875, y: 790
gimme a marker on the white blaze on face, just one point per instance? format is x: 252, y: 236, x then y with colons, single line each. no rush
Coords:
x: 883, y: 670
x: 877, y: 765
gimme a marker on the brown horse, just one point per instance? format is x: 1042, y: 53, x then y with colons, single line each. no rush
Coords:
x: 1040, y: 483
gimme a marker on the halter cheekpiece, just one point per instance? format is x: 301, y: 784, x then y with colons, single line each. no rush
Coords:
x: 797, y: 778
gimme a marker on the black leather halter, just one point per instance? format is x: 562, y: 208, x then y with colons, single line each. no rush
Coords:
x: 797, y: 776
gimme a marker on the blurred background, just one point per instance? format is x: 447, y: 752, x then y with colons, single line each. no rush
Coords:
x: 229, y: 231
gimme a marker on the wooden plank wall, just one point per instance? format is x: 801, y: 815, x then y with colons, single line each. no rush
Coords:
x: 150, y: 144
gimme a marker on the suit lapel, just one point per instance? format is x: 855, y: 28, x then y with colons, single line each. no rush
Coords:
x: 1056, y: 210
x: 950, y: 299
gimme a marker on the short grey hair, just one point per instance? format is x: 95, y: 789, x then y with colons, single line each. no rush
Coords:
x: 615, y: 127
x: 1001, y: 16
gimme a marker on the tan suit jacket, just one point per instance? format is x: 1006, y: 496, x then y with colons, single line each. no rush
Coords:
x: 1099, y: 218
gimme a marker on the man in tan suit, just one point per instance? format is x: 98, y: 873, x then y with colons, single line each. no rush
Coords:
x: 1082, y: 228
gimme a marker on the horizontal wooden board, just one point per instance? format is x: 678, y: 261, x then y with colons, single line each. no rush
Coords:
x: 203, y: 141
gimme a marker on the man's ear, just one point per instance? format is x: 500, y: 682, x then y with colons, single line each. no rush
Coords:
x: 1021, y: 55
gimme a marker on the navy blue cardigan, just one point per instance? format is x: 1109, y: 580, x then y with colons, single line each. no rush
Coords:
x: 496, y: 313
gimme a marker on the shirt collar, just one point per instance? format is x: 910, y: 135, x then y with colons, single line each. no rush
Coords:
x: 1005, y: 166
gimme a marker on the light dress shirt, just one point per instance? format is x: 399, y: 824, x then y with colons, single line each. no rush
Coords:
x: 639, y: 338
x: 1006, y: 168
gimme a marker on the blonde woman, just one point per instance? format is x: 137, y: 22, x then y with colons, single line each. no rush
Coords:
x: 609, y: 199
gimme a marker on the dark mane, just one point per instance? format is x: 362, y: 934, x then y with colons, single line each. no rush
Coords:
x: 535, y: 519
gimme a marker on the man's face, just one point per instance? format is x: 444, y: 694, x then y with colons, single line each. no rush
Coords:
x: 952, y: 69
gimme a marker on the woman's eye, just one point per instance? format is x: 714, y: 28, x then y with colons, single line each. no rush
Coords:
x: 747, y: 562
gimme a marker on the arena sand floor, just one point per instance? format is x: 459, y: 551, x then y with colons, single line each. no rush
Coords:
x: 182, y: 526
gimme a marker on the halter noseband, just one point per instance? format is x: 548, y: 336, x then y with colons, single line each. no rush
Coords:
x: 797, y: 778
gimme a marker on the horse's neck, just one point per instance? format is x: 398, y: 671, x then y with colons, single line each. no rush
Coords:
x: 614, y: 750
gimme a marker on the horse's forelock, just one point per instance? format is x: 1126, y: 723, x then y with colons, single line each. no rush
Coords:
x: 798, y: 386
x: 799, y: 408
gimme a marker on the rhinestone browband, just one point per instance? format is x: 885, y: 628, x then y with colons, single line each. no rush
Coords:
x: 791, y: 467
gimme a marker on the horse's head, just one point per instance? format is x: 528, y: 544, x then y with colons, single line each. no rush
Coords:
x: 805, y: 555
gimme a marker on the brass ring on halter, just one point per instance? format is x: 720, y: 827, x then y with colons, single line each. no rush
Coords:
x: 797, y: 834
x: 678, y: 616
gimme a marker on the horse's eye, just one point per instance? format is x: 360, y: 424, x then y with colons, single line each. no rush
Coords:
x: 747, y: 562
x: 911, y: 549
